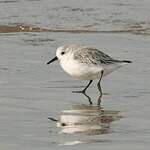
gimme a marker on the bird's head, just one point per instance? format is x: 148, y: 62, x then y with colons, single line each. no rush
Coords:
x: 61, y: 52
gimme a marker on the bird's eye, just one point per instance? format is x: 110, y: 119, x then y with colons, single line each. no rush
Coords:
x: 62, y: 53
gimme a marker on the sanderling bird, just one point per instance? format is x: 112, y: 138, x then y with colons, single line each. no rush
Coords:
x: 86, y: 63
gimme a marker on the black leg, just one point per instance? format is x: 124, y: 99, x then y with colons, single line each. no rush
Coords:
x: 83, y: 91
x: 100, y: 89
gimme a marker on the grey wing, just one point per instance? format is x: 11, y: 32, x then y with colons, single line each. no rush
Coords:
x: 93, y: 56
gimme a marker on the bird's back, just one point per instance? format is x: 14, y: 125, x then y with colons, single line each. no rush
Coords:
x: 92, y: 56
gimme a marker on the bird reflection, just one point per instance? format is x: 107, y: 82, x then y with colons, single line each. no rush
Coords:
x: 86, y: 119
x: 88, y: 97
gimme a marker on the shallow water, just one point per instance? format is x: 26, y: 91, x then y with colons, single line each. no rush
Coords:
x: 33, y: 93
x: 119, y: 15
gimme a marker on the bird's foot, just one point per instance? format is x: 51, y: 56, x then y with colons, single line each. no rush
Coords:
x: 83, y: 91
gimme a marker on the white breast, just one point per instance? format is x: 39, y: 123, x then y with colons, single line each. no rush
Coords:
x: 79, y: 70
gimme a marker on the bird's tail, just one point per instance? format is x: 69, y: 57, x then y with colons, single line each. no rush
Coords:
x: 127, y: 61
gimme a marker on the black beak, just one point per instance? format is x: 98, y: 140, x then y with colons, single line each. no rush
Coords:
x: 55, y: 58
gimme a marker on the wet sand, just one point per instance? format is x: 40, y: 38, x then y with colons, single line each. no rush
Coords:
x: 37, y: 107
x: 31, y: 28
